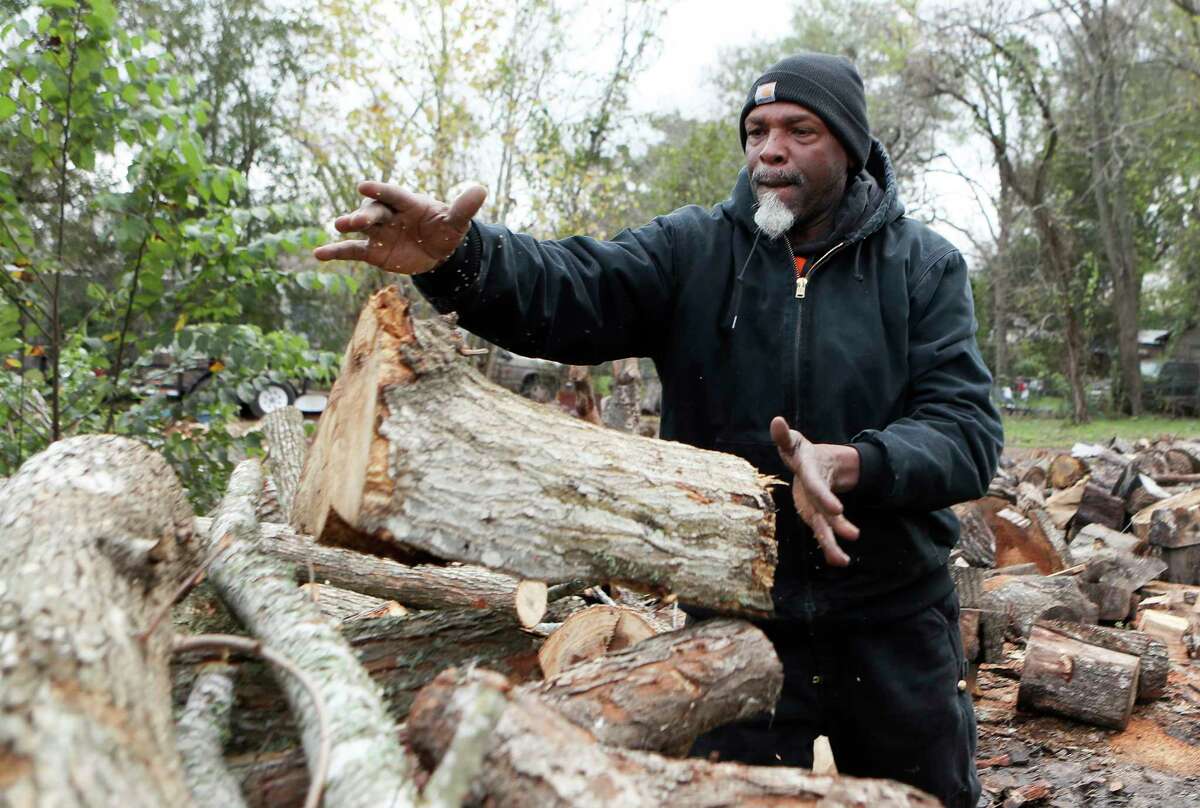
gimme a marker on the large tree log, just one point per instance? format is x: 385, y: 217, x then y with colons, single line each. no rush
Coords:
x: 286, y: 448
x: 419, y: 587
x: 263, y: 595
x: 95, y: 533
x: 416, y: 450
x: 1156, y: 664
x: 1073, y: 678
x: 1026, y: 599
x: 536, y: 757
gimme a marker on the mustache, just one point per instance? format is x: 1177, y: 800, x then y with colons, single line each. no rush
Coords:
x: 762, y: 175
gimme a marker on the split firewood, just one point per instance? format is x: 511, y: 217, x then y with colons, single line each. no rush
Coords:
x: 1177, y: 532
x: 593, y: 632
x: 1171, y: 629
x: 976, y: 540
x: 1026, y: 599
x: 991, y: 623
x: 623, y: 408
x: 418, y: 587
x: 1113, y: 603
x: 1104, y: 465
x: 1062, y: 505
x: 1032, y: 539
x: 1029, y: 496
x: 286, y: 447
x: 1066, y: 676
x: 342, y: 605
x: 1003, y: 486
x: 1185, y: 453
x: 263, y: 595
x: 1093, y: 538
x: 96, y: 536
x: 203, y: 730
x: 1123, y: 569
x: 1036, y: 474
x: 1100, y: 507
x: 416, y: 451
x: 537, y: 757
x: 1141, y: 519
x: 1066, y: 470
x: 1152, y: 679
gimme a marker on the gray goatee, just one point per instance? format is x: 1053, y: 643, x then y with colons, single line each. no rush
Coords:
x: 773, y: 217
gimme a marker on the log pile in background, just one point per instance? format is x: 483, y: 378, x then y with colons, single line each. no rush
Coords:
x: 1105, y: 535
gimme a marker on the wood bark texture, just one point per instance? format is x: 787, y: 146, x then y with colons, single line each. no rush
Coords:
x: 417, y: 451
x: 263, y: 595
x: 1068, y: 677
x: 1100, y: 507
x: 203, y: 729
x: 537, y: 757
x: 976, y: 539
x: 663, y: 692
x: 286, y: 448
x: 342, y: 605
x: 423, y: 586
x: 1152, y: 680
x: 1026, y: 599
x: 96, y: 535
x: 593, y: 632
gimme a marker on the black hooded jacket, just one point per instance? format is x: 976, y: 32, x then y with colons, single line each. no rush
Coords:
x: 879, y: 353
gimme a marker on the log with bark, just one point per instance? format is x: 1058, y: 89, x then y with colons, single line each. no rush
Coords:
x: 593, y: 632
x: 1026, y: 599
x: 537, y: 757
x: 1152, y: 681
x: 1066, y: 470
x: 623, y: 408
x: 203, y: 732
x: 343, y: 605
x: 423, y: 586
x: 96, y: 536
x: 1100, y: 507
x: 1070, y: 677
x: 976, y: 540
x: 286, y: 447
x: 417, y: 451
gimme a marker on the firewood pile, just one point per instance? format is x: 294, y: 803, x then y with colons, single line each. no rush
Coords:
x: 1089, y: 561
x: 448, y: 596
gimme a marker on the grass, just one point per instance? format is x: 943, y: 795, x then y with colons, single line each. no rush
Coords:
x: 1022, y: 431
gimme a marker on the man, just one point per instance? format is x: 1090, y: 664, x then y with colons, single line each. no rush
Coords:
x: 805, y: 299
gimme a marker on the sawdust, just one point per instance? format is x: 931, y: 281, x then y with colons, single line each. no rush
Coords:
x: 1145, y: 742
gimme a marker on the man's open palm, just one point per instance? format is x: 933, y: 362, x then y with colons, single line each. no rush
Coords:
x: 405, y: 232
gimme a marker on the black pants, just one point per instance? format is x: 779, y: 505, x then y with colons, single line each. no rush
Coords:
x: 887, y: 696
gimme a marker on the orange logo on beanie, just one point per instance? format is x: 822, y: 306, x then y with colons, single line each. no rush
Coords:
x: 764, y: 93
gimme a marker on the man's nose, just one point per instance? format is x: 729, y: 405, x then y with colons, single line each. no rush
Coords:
x: 773, y: 152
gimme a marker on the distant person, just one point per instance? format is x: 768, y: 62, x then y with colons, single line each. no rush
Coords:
x: 808, y: 326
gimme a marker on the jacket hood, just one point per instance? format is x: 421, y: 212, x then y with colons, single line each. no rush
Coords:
x: 877, y: 181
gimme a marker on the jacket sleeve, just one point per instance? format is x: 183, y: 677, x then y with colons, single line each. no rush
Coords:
x: 579, y: 300
x: 945, y: 447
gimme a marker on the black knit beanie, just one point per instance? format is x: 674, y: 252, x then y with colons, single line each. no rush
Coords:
x: 827, y: 85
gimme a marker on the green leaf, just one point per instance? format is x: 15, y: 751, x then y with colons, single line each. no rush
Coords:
x: 220, y: 189
x: 191, y: 153
x: 7, y: 107
x: 105, y: 11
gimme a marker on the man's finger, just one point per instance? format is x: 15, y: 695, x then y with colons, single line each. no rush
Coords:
x: 818, y: 490
x: 835, y: 556
x: 369, y: 215
x: 844, y: 528
x: 785, y: 439
x: 393, y: 196
x: 354, y: 250
x: 464, y: 208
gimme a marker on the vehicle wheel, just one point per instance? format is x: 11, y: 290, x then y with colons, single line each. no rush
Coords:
x: 272, y: 396
x: 536, y: 389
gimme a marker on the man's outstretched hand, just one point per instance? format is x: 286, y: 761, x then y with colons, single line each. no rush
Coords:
x: 405, y: 232
x: 819, y: 469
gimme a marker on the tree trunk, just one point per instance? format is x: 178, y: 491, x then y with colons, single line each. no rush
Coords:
x: 536, y: 757
x: 96, y: 534
x: 286, y: 447
x: 203, y: 731
x: 417, y: 451
x: 263, y: 595
x: 1072, y: 678
x: 1152, y: 681
x: 418, y: 587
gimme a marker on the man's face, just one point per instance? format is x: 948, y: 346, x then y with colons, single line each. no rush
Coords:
x: 792, y: 154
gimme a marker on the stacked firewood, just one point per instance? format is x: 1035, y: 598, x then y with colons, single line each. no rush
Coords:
x: 1091, y: 558
x: 459, y: 597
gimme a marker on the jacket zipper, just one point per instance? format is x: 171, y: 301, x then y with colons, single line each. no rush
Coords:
x: 810, y: 607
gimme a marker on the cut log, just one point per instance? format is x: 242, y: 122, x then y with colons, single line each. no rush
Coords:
x: 623, y: 408
x: 537, y: 757
x: 1068, y: 677
x: 593, y: 632
x: 1113, y: 603
x: 1123, y: 569
x: 286, y: 447
x: 203, y: 731
x: 1144, y: 492
x: 417, y: 587
x: 1189, y: 449
x: 417, y: 451
x: 1026, y: 599
x: 1100, y: 507
x: 1029, y: 496
x: 1036, y: 474
x: 263, y: 595
x: 342, y: 605
x: 1152, y: 680
x: 1183, y: 564
x: 1091, y: 538
x: 1175, y: 527
x: 969, y: 629
x: 1066, y: 470
x: 96, y: 535
x: 1032, y: 539
x: 976, y: 540
x: 660, y: 694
